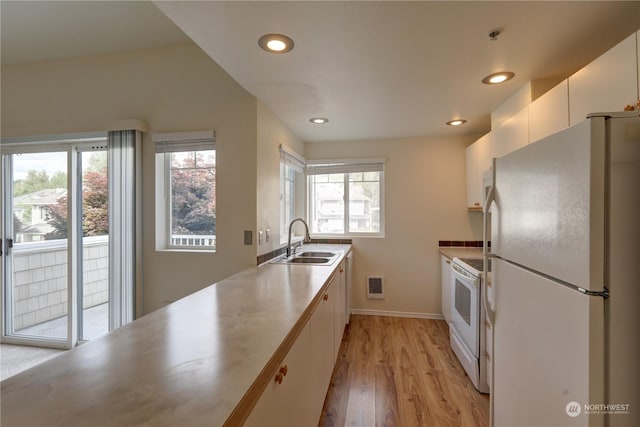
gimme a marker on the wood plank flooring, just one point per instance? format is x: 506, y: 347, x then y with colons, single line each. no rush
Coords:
x: 401, y: 372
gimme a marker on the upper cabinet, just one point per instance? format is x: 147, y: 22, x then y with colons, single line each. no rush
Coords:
x: 478, y: 161
x: 544, y: 107
x: 549, y: 113
x: 607, y: 84
x: 511, y: 134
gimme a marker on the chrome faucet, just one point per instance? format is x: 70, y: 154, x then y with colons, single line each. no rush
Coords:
x: 307, y: 239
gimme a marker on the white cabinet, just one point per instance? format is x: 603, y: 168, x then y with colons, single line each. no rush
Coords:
x: 348, y: 285
x: 322, y: 354
x: 446, y: 287
x: 478, y: 160
x: 287, y: 400
x: 340, y: 311
x: 511, y: 134
x: 296, y: 392
x: 549, y: 113
x: 607, y: 84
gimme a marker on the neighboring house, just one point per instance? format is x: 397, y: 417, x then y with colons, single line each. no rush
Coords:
x: 31, y: 209
x: 331, y: 210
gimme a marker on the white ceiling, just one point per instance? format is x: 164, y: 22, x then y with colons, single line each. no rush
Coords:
x: 375, y: 69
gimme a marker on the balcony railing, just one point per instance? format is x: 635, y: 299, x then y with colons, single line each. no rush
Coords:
x: 190, y: 240
x: 40, y: 279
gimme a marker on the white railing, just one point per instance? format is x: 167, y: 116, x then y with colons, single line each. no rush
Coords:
x: 189, y: 240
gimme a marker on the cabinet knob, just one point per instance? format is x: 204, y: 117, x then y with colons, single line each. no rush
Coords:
x: 448, y: 262
x: 325, y: 297
x: 283, y: 370
x: 341, y: 270
x: 279, y: 378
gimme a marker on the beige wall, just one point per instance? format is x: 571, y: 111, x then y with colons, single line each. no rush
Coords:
x: 271, y: 133
x: 425, y: 201
x: 172, y: 89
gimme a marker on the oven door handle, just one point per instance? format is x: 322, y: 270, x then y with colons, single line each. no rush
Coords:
x: 461, y: 273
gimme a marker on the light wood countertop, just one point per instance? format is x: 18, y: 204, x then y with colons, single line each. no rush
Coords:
x: 460, y: 252
x: 191, y: 363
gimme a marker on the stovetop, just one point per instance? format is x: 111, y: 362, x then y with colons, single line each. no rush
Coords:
x: 476, y: 263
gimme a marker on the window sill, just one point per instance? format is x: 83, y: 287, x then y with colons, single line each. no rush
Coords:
x: 348, y: 236
x: 188, y: 250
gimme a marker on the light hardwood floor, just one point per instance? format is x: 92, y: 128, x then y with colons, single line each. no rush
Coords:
x: 401, y: 372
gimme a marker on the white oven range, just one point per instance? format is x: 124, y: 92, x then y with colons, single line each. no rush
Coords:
x: 467, y: 334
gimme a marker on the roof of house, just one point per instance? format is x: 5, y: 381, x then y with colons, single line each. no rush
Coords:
x: 44, y: 197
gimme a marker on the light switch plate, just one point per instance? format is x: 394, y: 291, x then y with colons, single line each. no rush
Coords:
x: 248, y: 237
x: 260, y: 233
x: 268, y: 235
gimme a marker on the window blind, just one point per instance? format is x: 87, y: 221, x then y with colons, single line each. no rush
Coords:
x: 345, y: 166
x: 292, y: 159
x: 184, y: 141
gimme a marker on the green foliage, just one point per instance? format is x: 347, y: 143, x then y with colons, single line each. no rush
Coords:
x: 193, y: 195
x: 97, y: 161
x: 38, y: 180
x: 94, y: 208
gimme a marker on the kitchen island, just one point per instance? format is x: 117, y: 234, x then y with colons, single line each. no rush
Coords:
x: 202, y: 360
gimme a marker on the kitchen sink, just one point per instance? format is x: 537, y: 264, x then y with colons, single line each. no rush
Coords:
x: 309, y: 257
x: 316, y: 254
x: 308, y: 260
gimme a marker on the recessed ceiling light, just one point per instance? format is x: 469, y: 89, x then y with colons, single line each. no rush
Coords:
x: 495, y: 78
x: 275, y: 43
x: 318, y: 120
x: 456, y: 122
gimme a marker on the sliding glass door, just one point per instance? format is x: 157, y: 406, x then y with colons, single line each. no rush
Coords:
x: 55, y: 242
x: 36, y: 246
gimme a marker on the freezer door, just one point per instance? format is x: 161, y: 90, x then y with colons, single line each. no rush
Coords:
x: 549, y: 205
x: 548, y: 351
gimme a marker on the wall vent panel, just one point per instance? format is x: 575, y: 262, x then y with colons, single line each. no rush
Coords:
x: 375, y: 287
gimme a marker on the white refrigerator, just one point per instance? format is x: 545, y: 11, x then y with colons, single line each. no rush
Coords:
x: 565, y: 272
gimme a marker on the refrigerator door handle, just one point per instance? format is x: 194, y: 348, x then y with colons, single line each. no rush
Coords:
x: 491, y: 314
x: 485, y: 245
x: 604, y: 294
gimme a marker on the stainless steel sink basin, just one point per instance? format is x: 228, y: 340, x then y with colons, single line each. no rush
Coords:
x: 309, y: 257
x: 316, y: 254
x: 308, y: 260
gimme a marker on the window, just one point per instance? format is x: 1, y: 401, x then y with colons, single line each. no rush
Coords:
x: 186, y: 191
x: 346, y: 198
x: 291, y: 168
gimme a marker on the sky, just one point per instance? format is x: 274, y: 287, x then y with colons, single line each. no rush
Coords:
x: 49, y: 162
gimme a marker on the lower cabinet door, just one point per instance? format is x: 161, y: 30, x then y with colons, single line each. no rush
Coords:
x: 322, y: 356
x: 287, y: 400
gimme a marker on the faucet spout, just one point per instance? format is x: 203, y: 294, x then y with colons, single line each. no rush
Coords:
x: 307, y: 239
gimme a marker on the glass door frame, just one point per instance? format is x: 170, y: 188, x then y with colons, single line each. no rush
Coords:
x: 73, y: 146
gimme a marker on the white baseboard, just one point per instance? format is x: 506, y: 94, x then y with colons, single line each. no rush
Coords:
x: 398, y: 314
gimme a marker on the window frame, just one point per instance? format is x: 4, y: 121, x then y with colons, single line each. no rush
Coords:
x: 190, y: 142
x: 345, y: 167
x: 286, y: 217
x: 295, y: 164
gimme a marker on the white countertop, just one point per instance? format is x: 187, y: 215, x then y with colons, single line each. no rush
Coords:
x: 187, y: 364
